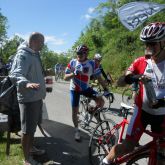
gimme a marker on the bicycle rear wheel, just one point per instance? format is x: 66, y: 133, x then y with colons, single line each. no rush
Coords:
x: 141, y: 159
x: 102, y: 140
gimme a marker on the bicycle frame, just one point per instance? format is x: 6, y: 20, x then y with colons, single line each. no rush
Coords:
x: 121, y: 125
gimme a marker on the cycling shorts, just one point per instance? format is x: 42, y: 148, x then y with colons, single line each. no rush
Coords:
x: 75, y: 95
x: 139, y: 122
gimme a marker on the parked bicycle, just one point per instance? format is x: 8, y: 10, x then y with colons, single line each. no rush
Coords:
x: 106, y: 134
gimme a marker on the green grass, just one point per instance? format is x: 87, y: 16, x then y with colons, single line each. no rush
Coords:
x: 16, y: 155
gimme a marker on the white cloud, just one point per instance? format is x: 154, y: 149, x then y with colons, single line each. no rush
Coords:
x: 54, y: 41
x: 91, y: 10
x: 87, y: 16
x: 89, y: 13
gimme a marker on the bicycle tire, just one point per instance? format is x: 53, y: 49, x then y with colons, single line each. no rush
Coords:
x: 140, y: 159
x: 100, y: 142
x: 88, y: 121
x: 127, y: 96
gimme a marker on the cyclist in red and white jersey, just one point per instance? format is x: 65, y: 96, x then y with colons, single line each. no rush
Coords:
x: 79, y: 71
x: 150, y: 66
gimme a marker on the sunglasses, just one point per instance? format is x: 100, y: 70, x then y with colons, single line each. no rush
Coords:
x: 81, y: 53
x: 151, y: 43
x: 98, y: 60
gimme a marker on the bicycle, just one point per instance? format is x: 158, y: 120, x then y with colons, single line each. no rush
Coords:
x: 106, y: 134
x: 104, y: 137
x: 89, y: 118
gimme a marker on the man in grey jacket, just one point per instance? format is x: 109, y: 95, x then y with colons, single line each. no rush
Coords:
x: 27, y: 74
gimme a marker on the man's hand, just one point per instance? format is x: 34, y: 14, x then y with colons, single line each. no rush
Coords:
x: 144, y: 78
x: 32, y: 85
x: 109, y: 81
x: 106, y: 93
x: 78, y: 70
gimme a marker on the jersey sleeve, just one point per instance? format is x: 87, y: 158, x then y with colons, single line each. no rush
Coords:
x: 96, y: 69
x: 70, y: 67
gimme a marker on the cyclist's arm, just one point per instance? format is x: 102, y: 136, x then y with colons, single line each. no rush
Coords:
x: 102, y: 82
x: 103, y: 73
x: 121, y: 81
x: 68, y: 76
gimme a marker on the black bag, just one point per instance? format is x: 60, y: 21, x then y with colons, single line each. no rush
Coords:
x: 9, y: 103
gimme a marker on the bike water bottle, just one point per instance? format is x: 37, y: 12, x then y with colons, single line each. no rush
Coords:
x: 49, y: 83
x: 150, y: 92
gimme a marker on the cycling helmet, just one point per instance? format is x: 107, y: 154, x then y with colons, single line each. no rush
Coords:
x: 97, y: 57
x: 82, y: 49
x: 153, y: 32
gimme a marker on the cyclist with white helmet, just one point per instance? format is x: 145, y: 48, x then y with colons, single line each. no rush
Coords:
x: 97, y: 58
x: 79, y: 71
x: 150, y: 66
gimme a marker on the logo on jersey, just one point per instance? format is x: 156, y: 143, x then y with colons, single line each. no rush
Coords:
x: 86, y: 69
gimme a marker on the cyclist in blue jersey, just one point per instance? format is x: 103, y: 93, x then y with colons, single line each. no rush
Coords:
x: 79, y: 71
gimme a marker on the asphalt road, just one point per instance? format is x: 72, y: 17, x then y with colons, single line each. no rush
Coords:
x: 61, y: 148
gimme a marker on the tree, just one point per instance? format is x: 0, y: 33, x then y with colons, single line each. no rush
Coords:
x: 3, y: 33
x: 10, y: 47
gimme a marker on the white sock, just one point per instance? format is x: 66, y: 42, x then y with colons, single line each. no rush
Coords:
x: 105, y: 160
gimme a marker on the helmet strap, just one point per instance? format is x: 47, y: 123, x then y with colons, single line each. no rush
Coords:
x: 161, y: 49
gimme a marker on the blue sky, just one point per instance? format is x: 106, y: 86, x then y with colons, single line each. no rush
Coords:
x: 61, y: 21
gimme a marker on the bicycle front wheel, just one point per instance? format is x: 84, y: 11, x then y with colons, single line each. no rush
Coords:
x: 141, y: 159
x: 102, y: 140
x: 83, y: 114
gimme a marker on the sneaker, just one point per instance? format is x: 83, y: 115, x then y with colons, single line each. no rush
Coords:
x: 36, y: 151
x: 77, y: 135
x: 31, y: 161
x: 103, y: 163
